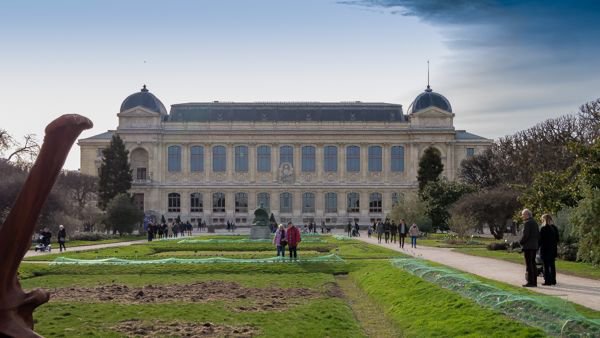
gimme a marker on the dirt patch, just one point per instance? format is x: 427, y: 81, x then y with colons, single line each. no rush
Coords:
x: 333, y: 290
x: 138, y: 328
x: 253, y: 299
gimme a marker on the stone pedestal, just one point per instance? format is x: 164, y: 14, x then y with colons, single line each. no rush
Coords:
x: 260, y: 232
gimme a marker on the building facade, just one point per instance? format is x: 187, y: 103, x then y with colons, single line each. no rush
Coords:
x: 305, y: 162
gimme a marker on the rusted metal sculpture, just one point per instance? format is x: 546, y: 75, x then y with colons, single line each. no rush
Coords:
x: 16, y: 306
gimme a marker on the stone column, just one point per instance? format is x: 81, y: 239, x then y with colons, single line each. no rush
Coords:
x: 319, y: 162
x: 364, y: 161
x: 208, y: 157
x: 230, y: 161
x: 342, y: 161
x: 252, y: 161
x: 386, y: 162
x: 297, y: 159
x: 274, y: 161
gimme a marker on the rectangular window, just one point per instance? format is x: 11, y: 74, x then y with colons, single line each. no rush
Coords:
x: 197, y: 158
x: 286, y: 155
x: 219, y: 159
x: 331, y: 202
x: 375, y: 158
x: 330, y: 159
x: 140, y: 174
x: 241, y: 159
x: 285, y: 202
x: 196, y: 202
x: 470, y: 152
x: 263, y: 163
x: 353, y: 159
x: 174, y: 153
x: 308, y: 202
x: 397, y: 158
x: 308, y: 159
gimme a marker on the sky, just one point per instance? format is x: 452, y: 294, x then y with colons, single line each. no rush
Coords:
x: 504, y: 65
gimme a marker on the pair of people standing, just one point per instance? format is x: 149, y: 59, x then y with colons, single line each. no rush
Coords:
x: 546, y: 240
x: 289, y: 237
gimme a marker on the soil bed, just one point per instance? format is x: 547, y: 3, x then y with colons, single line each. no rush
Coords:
x: 260, y: 299
x: 138, y: 328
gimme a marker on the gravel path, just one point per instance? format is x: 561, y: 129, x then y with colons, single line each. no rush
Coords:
x: 578, y: 290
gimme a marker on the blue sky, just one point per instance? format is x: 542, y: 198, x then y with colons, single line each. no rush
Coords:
x: 504, y: 65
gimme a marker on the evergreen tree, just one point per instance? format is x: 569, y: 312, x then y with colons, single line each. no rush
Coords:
x: 115, y: 172
x: 163, y: 220
x: 430, y: 167
x: 122, y: 215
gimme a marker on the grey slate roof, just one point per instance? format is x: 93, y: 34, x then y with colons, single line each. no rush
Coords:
x: 107, y: 135
x: 144, y: 99
x: 463, y: 135
x: 429, y: 98
x: 285, y: 111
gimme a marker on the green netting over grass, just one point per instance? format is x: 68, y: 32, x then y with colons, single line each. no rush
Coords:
x: 332, y: 258
x: 342, y: 237
x: 242, y: 240
x: 551, y: 314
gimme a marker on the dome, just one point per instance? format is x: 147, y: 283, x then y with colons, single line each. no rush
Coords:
x: 145, y: 99
x: 429, y: 99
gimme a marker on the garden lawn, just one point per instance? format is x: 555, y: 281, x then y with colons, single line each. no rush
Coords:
x: 578, y: 269
x: 414, y: 307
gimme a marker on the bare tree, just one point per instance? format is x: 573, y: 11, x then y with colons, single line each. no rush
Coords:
x: 21, y: 153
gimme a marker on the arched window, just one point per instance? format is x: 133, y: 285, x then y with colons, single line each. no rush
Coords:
x: 330, y: 159
x: 219, y: 159
x: 218, y: 202
x: 264, y: 199
x: 353, y: 202
x: 174, y: 161
x: 139, y: 164
x: 196, y: 204
x: 375, y: 203
x: 397, y: 198
x: 241, y: 158
x: 331, y: 202
x: 263, y: 163
x: 241, y: 202
x: 308, y: 202
x: 308, y: 158
x: 174, y: 200
x: 353, y: 159
x: 286, y: 154
x: 196, y: 158
x: 397, y: 158
x: 375, y: 158
x: 285, y: 202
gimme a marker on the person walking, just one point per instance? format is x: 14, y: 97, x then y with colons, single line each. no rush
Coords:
x: 293, y: 238
x: 386, y: 228
x: 349, y: 229
x: 549, y: 248
x: 529, y: 242
x: 413, y: 232
x: 402, y: 231
x: 62, y: 237
x: 379, y: 229
x: 280, y: 241
x: 369, y: 230
x: 356, y: 229
x: 393, y: 231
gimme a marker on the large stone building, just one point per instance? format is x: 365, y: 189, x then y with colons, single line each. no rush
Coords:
x: 304, y: 161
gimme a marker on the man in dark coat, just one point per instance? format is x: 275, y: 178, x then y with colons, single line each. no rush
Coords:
x: 549, y: 248
x: 529, y: 241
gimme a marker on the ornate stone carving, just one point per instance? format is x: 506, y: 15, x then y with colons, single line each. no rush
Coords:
x: 353, y: 176
x: 175, y: 176
x: 307, y: 177
x: 286, y: 173
x: 241, y: 176
x: 220, y: 176
x: 331, y: 177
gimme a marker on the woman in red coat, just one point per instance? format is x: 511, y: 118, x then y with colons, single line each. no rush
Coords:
x: 293, y: 239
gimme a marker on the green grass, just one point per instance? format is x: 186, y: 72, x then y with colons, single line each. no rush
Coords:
x: 578, y: 269
x: 422, y: 309
x: 415, y: 307
x: 315, y: 318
